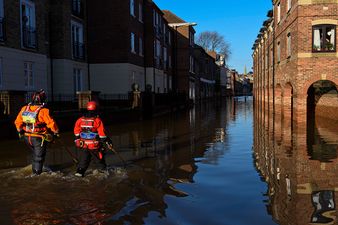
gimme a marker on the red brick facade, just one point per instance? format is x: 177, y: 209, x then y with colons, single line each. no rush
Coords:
x: 285, y: 62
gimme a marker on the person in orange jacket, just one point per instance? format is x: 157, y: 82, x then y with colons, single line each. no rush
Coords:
x: 35, y: 125
x: 89, y: 138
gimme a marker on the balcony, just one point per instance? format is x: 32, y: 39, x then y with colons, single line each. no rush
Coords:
x: 78, y: 50
x: 2, y: 29
x: 29, y: 37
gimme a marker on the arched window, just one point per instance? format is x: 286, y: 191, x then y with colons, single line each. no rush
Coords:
x: 324, y: 38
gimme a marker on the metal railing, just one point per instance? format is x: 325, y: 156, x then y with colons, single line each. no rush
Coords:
x: 2, y: 29
x: 78, y: 50
x: 29, y: 37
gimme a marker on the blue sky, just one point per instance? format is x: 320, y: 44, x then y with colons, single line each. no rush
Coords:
x: 238, y: 21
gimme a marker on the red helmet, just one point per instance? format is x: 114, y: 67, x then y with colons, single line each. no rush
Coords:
x: 39, y: 97
x: 91, y: 106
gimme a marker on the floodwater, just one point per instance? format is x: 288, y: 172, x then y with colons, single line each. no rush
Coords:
x: 298, y: 161
x: 203, y: 166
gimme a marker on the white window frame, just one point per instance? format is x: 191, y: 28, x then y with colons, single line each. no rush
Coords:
x: 132, y: 7
x: 140, y: 46
x: 1, y: 72
x: 29, y: 75
x: 77, y: 80
x: 31, y: 21
x: 140, y: 12
x: 289, y: 4
x: 132, y: 42
x: 278, y: 13
x: 77, y: 34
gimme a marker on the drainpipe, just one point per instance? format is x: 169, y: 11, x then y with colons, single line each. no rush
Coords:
x: 87, y: 35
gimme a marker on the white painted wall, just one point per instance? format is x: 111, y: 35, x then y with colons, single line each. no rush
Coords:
x: 116, y: 78
x: 63, y: 76
x: 13, y: 69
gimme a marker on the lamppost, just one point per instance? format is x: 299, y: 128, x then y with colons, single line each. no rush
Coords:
x: 175, y: 26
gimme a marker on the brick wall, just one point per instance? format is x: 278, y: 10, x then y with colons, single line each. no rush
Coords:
x: 327, y: 107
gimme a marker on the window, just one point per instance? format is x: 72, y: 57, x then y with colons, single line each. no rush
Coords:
x: 278, y: 52
x: 140, y: 12
x: 28, y: 74
x: 169, y: 37
x: 140, y: 43
x: 288, y: 5
x: 192, y: 37
x: 77, y: 40
x: 77, y: 80
x: 132, y: 7
x: 278, y: 12
x: 2, y: 31
x: 132, y: 43
x: 1, y: 72
x: 271, y: 57
x: 288, y: 44
x: 324, y: 38
x: 28, y: 28
x: 169, y: 61
x: 158, y: 49
x: 191, y: 64
x: 76, y: 7
x: 165, y: 57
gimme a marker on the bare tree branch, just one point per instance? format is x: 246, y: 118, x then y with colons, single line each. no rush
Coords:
x: 213, y: 41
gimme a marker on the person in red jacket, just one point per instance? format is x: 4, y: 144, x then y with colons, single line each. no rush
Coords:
x: 89, y: 138
x: 35, y: 125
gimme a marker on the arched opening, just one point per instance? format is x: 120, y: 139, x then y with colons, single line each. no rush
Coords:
x: 322, y: 106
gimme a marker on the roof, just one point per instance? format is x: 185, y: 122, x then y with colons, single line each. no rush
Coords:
x: 171, y: 17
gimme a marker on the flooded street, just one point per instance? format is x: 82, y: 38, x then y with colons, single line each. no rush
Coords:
x: 181, y: 169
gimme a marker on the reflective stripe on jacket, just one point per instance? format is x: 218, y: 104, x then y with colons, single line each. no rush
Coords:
x: 89, y: 129
x: 42, y: 121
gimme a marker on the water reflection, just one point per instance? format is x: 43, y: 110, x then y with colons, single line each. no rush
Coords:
x: 299, y: 164
x: 164, y: 156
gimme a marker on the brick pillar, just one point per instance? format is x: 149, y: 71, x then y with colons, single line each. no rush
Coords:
x: 300, y: 109
x: 87, y: 96
x: 11, y: 102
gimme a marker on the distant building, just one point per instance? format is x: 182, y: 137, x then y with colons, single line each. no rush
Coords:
x: 205, y: 69
x: 184, y: 35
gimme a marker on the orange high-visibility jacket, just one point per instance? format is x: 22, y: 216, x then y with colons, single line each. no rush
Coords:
x: 43, y: 120
x: 94, y: 124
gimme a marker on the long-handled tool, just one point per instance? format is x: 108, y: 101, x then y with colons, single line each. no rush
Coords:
x: 110, y: 147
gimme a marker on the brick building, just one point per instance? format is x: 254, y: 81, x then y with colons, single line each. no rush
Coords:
x: 205, y: 70
x: 295, y: 57
x: 116, y: 45
x: 68, y: 47
x: 24, y: 45
x: 159, y: 49
x: 184, y: 33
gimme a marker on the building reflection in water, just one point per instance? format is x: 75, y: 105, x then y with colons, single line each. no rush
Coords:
x: 164, y: 153
x: 299, y: 164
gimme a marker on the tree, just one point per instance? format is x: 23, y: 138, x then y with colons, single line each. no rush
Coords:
x: 213, y: 41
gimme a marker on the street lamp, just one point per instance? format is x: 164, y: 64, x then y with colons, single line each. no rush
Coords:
x: 175, y: 26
